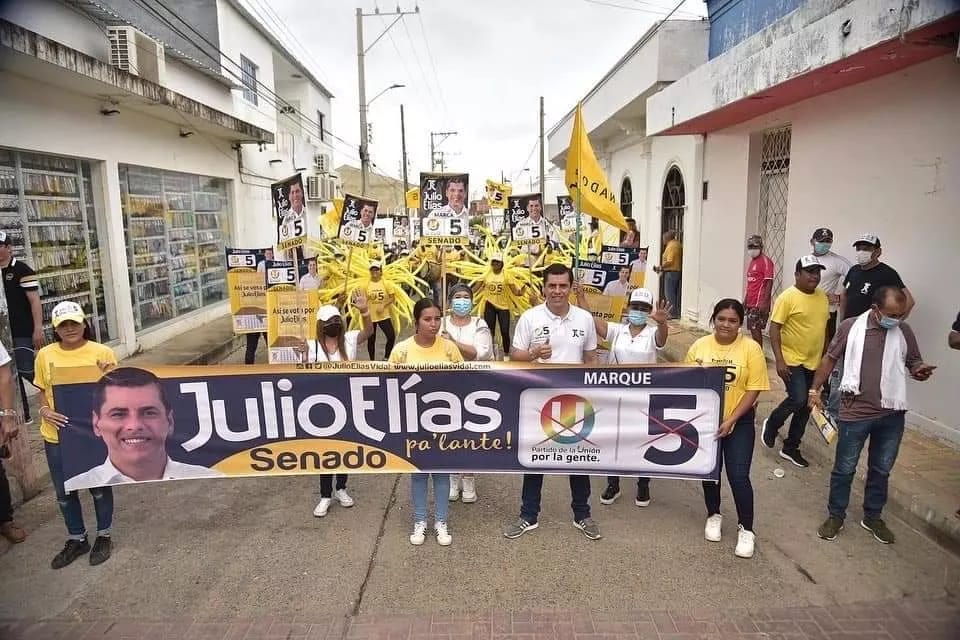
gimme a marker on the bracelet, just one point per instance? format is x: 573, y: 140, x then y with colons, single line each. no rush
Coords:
x: 8, y: 412
x: 813, y: 392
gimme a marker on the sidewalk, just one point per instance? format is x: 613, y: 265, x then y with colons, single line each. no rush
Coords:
x: 925, y: 483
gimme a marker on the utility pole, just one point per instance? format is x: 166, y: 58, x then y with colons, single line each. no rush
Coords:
x: 443, y: 135
x: 361, y: 81
x: 543, y: 152
x: 403, y: 152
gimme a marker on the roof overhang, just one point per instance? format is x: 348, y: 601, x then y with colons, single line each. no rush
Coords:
x: 33, y: 56
x: 805, y: 54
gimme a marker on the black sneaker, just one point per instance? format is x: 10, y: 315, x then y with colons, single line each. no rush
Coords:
x: 643, y: 496
x: 830, y: 528
x: 70, y: 552
x: 878, y: 528
x: 768, y: 436
x: 610, y: 495
x: 101, y: 550
x: 793, y: 455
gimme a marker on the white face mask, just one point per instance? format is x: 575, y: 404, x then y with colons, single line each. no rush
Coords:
x: 864, y: 257
x: 753, y: 253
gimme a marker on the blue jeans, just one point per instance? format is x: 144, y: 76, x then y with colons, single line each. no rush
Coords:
x: 795, y: 403
x: 441, y: 496
x: 671, y: 290
x: 885, y: 434
x: 70, y: 502
x: 533, y: 487
x: 736, y: 452
x: 833, y: 400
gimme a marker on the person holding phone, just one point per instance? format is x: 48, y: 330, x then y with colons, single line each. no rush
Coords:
x: 878, y: 350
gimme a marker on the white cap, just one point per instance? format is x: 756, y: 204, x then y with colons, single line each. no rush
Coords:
x: 641, y: 295
x: 326, y: 312
x: 808, y: 262
x: 376, y: 264
x: 869, y: 238
x: 67, y: 310
x: 496, y: 256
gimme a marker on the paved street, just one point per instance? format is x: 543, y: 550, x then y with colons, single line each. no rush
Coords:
x: 217, y: 552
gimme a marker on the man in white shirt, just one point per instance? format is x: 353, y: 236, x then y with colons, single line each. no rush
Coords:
x: 310, y: 281
x: 298, y: 209
x: 621, y: 285
x: 267, y: 257
x: 133, y: 417
x: 456, y: 206
x: 832, y: 276
x: 555, y: 332
x: 640, y: 264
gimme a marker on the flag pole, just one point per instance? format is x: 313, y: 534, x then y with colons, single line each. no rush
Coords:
x: 576, y: 251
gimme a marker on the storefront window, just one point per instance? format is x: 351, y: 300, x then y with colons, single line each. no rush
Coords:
x: 47, y: 210
x: 176, y: 225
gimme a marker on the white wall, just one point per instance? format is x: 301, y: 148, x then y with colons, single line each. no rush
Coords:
x: 53, y: 20
x: 237, y: 36
x: 881, y: 156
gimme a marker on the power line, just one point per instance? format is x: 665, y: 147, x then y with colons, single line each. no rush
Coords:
x: 658, y: 12
x: 436, y: 74
x: 416, y: 56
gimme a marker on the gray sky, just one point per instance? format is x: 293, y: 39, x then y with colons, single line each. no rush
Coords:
x: 493, y: 59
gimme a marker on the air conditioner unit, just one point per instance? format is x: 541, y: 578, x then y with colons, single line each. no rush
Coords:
x: 329, y: 189
x: 137, y: 53
x: 314, y: 188
x: 321, y: 162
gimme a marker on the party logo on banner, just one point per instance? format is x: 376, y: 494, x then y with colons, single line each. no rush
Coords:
x: 291, y: 313
x: 357, y: 221
x: 444, y: 210
x: 248, y: 293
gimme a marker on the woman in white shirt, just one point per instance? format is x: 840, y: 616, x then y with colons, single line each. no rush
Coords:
x: 333, y: 344
x: 635, y: 342
x: 475, y: 341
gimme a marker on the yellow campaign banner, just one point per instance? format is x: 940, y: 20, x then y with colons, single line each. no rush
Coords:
x: 291, y: 313
x: 248, y: 291
x: 586, y: 182
x: 637, y: 279
x: 497, y: 194
x: 413, y: 198
x: 609, y: 308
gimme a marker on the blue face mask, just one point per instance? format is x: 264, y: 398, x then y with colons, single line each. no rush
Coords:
x: 461, y: 306
x: 821, y: 248
x: 889, y: 323
x: 637, y: 318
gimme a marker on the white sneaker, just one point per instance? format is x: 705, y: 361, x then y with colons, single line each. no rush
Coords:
x: 322, y: 507
x: 344, y: 498
x: 419, y: 533
x: 469, y: 489
x: 443, y: 537
x: 744, y: 543
x: 712, y: 531
x: 454, y: 487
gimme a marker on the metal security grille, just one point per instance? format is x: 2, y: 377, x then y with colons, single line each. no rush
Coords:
x: 673, y: 203
x: 774, y: 186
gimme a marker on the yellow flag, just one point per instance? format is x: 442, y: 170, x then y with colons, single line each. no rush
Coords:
x: 497, y: 194
x: 413, y: 198
x: 587, y: 185
x: 330, y: 221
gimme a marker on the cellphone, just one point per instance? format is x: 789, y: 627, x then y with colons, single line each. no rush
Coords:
x: 4, y: 452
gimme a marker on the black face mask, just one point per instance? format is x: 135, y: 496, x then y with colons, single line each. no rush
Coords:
x: 332, y: 330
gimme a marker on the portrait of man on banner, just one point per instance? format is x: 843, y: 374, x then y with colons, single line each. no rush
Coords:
x: 290, y: 207
x: 356, y: 220
x: 527, y: 224
x: 444, y: 209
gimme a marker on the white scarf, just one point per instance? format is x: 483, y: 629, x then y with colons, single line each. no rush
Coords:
x: 893, y: 373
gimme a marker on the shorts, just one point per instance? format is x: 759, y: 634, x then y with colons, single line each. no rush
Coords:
x: 757, y: 319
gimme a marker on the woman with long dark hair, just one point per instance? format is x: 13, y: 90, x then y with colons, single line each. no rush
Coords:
x: 746, y: 377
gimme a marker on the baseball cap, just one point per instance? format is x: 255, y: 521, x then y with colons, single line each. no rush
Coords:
x: 326, y: 312
x: 4, y: 238
x: 822, y: 235
x: 754, y: 241
x: 376, y: 264
x: 810, y: 262
x: 67, y: 310
x: 496, y: 257
x: 867, y: 238
x: 641, y: 295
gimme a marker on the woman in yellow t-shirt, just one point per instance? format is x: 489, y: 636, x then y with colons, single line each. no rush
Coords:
x: 74, y: 347
x: 380, y: 296
x: 746, y: 377
x: 496, y: 310
x: 426, y: 347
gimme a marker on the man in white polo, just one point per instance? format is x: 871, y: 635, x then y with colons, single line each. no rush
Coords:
x: 555, y: 332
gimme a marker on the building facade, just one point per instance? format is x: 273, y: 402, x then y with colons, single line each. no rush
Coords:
x: 803, y: 114
x: 137, y: 145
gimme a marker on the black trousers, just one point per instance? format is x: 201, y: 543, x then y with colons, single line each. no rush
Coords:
x: 326, y: 484
x: 6, y: 502
x: 252, y: 339
x: 495, y: 315
x: 388, y: 332
x: 831, y: 331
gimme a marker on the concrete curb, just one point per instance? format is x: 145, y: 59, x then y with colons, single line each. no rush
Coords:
x: 912, y: 500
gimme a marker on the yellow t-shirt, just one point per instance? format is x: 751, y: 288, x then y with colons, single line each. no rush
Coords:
x: 53, y: 355
x: 495, y: 285
x: 803, y: 319
x: 409, y: 352
x: 745, y: 364
x: 377, y: 293
x: 672, y: 256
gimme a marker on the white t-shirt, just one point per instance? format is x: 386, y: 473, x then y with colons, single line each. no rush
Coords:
x: 350, y: 342
x: 616, y: 288
x: 569, y: 336
x: 628, y: 349
x: 106, y: 475
x: 638, y: 266
x: 476, y: 334
x: 831, y: 278
x: 4, y: 356
x: 309, y: 282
